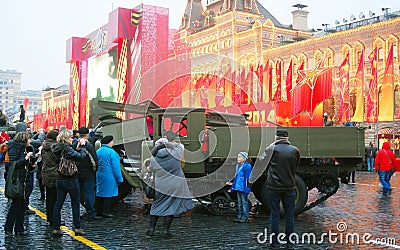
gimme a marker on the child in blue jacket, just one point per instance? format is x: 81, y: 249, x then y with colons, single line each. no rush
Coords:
x: 240, y: 185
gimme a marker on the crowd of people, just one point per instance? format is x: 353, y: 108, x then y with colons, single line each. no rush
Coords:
x: 94, y: 185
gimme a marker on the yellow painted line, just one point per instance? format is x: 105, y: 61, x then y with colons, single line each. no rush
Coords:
x: 69, y: 231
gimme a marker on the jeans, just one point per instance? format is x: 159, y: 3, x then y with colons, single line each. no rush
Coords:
x: 371, y: 163
x: 288, y: 201
x: 87, y: 197
x: 16, y: 214
x: 351, y: 175
x: 29, y: 190
x: 243, y: 206
x: 65, y: 187
x: 51, y: 198
x: 384, y: 178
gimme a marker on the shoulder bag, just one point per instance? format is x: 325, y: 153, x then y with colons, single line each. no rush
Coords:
x: 67, y: 167
x: 391, y: 163
x: 149, y: 190
x: 15, y: 188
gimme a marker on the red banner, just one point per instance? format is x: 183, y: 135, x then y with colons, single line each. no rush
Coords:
x: 386, y: 103
x: 289, y: 80
x: 372, y: 98
x: 344, y: 110
x: 277, y: 96
x: 359, y: 88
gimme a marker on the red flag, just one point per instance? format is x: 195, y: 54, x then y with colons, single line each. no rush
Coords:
x: 344, y: 111
x: 386, y: 103
x: 313, y: 87
x: 372, y: 114
x: 359, y: 112
x: 289, y: 79
x: 259, y: 82
x: 269, y: 79
x: 277, y: 96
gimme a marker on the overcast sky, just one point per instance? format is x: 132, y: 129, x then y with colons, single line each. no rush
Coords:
x: 33, y: 33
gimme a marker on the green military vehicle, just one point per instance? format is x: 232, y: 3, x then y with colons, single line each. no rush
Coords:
x: 212, y: 141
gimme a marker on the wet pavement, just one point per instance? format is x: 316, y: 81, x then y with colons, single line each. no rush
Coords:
x: 356, y: 210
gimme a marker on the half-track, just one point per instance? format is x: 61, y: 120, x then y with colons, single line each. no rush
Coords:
x: 212, y: 141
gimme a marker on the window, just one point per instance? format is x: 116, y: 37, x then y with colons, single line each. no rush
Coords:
x: 177, y: 124
x: 247, y: 4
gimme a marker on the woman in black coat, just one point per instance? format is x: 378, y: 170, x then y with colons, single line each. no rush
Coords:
x: 49, y: 173
x: 21, y: 152
x: 67, y: 184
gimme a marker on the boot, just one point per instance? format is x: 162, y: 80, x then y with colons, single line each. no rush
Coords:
x: 167, y: 225
x: 146, y: 209
x: 79, y: 232
x: 153, y: 222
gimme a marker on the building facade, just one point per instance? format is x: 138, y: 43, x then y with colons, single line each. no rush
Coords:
x: 55, y: 106
x: 245, y: 32
x: 10, y: 86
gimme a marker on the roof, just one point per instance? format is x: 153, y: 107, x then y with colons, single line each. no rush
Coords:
x: 268, y: 15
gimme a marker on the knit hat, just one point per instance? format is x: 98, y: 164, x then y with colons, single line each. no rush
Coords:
x: 244, y: 155
x: 20, y: 127
x: 107, y: 139
x: 170, y: 135
x: 83, y: 131
x: 282, y: 132
x: 52, y: 134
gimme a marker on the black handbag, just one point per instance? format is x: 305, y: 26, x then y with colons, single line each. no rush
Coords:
x: 149, y: 190
x: 14, y: 188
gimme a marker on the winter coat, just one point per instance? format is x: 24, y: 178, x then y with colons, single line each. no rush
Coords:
x: 65, y: 149
x: 109, y: 173
x: 17, y: 152
x: 49, y: 168
x: 370, y: 152
x: 281, y: 168
x: 37, y: 140
x: 243, y: 173
x: 383, y: 162
x: 85, y: 167
x: 172, y: 192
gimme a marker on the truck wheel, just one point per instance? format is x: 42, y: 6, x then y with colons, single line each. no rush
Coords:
x: 220, y: 205
x: 300, y: 200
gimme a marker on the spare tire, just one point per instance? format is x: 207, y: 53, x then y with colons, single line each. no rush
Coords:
x: 301, y: 196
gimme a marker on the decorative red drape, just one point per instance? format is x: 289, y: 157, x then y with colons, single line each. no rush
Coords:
x: 344, y: 110
x: 359, y: 112
x: 372, y: 98
x: 386, y: 104
x: 289, y: 79
x: 278, y: 70
x: 313, y: 87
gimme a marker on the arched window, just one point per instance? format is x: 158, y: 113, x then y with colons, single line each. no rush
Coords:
x: 247, y: 4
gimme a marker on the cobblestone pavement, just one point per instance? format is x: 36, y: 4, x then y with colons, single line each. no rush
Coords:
x: 356, y: 209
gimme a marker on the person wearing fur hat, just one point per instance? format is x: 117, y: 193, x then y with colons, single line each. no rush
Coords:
x: 240, y: 184
x: 87, y: 175
x: 108, y: 176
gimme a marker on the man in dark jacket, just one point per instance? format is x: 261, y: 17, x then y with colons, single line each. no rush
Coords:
x: 87, y: 175
x: 281, y: 183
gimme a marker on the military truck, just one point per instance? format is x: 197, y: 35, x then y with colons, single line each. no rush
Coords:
x: 212, y: 141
